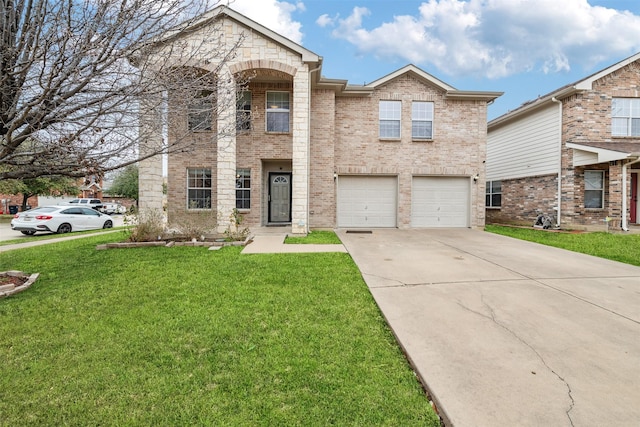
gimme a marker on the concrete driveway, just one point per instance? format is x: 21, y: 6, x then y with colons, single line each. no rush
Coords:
x: 504, y: 332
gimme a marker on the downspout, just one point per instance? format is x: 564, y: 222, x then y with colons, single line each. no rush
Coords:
x: 625, y: 225
x: 558, y: 222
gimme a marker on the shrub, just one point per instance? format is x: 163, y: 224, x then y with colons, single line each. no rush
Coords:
x: 146, y: 226
x: 194, y: 225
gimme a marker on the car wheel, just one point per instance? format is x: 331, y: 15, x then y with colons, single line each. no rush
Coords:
x: 64, y: 228
x: 28, y: 232
x: 108, y: 224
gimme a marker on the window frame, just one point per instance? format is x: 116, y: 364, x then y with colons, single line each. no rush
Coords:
x: 490, y: 194
x: 389, y: 116
x: 275, y: 108
x: 200, y: 112
x: 200, y: 176
x: 600, y: 190
x: 243, y: 186
x: 243, y: 110
x: 630, y: 114
x: 426, y: 118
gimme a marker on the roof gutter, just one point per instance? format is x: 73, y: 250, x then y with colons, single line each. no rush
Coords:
x: 559, y: 196
x: 625, y: 225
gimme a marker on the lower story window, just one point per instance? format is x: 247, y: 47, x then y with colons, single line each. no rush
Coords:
x: 199, y: 189
x: 594, y: 189
x: 493, y: 197
x: 243, y: 189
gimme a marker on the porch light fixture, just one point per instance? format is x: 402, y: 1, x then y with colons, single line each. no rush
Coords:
x: 476, y: 178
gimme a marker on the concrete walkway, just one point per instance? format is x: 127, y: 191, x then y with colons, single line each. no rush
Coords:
x: 505, y: 332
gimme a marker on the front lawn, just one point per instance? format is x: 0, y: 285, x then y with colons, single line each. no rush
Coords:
x: 187, y: 336
x: 315, y: 237
x: 617, y: 247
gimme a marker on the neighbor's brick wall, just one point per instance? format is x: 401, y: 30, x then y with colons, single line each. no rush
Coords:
x: 458, y: 147
x: 587, y: 119
x: 524, y: 199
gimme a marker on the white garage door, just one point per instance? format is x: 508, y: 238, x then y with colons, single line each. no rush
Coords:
x: 440, y: 202
x: 367, y: 201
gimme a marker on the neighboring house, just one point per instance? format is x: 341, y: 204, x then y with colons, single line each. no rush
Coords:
x: 90, y: 187
x: 573, y: 154
x: 406, y: 150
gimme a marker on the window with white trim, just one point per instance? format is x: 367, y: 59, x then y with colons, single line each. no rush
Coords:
x: 198, y: 188
x: 625, y: 117
x: 243, y: 188
x: 493, y: 197
x: 594, y: 189
x: 389, y: 116
x: 278, y: 112
x: 243, y: 110
x: 422, y: 120
x: 200, y: 111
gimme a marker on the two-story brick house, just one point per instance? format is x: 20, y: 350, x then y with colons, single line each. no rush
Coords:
x: 573, y: 153
x: 406, y: 150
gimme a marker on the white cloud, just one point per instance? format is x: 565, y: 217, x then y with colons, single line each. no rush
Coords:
x: 496, y: 38
x: 325, y: 20
x: 273, y: 14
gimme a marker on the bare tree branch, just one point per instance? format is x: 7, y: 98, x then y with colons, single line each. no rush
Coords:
x: 73, y: 74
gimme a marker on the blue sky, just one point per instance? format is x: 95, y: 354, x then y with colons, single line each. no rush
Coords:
x: 525, y: 48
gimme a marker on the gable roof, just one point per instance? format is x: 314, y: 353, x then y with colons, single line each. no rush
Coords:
x: 562, y: 92
x: 343, y: 88
x: 225, y: 11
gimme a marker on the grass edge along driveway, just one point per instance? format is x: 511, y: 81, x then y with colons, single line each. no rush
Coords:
x: 181, y: 336
x: 614, y: 246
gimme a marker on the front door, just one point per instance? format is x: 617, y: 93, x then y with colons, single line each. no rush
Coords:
x: 634, y: 198
x: 279, y: 197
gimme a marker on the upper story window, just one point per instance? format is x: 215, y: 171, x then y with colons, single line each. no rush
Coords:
x: 389, y: 115
x: 422, y: 120
x: 278, y: 112
x: 198, y: 188
x: 200, y: 114
x: 243, y: 110
x: 493, y: 197
x: 625, y: 117
x: 594, y: 189
x: 243, y: 188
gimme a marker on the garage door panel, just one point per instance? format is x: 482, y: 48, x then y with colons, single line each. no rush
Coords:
x: 367, y: 201
x: 440, y: 202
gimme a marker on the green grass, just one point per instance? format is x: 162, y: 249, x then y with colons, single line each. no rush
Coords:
x: 317, y: 237
x: 617, y: 247
x: 187, y: 336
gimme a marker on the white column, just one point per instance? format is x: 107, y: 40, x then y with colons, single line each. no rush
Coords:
x: 226, y: 160
x: 301, y: 127
x: 151, y: 141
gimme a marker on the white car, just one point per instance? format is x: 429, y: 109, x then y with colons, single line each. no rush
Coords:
x: 59, y: 219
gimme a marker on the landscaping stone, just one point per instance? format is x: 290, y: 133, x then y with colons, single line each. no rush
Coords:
x: 24, y: 282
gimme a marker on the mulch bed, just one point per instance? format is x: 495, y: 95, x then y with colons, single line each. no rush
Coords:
x: 13, y: 280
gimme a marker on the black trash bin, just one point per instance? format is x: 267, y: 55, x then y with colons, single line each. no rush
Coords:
x: 13, y: 209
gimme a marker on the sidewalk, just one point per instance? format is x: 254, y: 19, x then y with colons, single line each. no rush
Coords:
x: 21, y: 243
